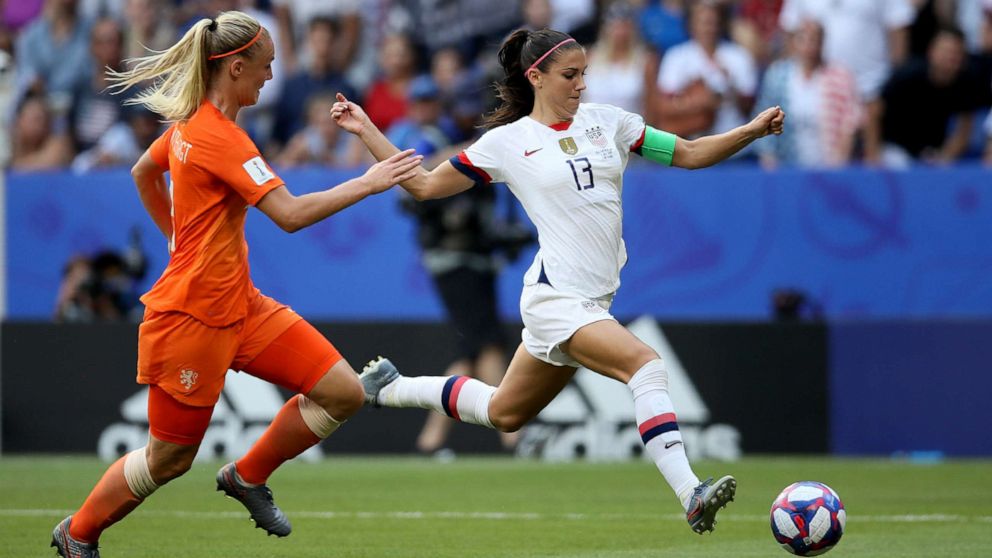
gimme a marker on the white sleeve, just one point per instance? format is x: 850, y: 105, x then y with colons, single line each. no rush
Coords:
x: 670, y: 78
x: 630, y: 129
x: 483, y: 160
x: 897, y: 13
x: 745, y: 72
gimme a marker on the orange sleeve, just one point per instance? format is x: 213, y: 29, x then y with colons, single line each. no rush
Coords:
x: 241, y: 166
x: 159, y: 150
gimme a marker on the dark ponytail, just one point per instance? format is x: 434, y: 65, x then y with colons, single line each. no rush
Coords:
x: 521, y: 49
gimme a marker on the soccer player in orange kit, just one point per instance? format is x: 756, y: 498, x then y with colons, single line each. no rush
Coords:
x: 204, y: 315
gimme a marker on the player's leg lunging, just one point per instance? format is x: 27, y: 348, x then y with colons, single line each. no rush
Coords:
x: 460, y: 397
x: 610, y: 349
x: 528, y: 386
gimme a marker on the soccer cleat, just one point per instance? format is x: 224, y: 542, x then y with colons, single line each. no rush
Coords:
x: 257, y: 499
x: 706, y: 500
x: 68, y: 547
x: 376, y: 375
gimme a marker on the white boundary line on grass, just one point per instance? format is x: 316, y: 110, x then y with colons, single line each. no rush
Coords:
x: 505, y: 516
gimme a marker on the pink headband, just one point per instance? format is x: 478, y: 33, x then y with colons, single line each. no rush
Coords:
x: 237, y: 50
x: 546, y: 54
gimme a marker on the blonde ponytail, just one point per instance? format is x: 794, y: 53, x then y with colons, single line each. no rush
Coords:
x: 181, y: 74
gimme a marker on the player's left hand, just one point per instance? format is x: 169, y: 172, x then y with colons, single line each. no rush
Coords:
x: 349, y: 115
x: 770, y: 121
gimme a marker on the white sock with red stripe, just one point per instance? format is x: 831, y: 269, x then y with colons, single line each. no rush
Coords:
x: 460, y: 397
x: 655, y: 416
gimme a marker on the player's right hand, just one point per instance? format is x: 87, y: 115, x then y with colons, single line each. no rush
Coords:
x: 400, y: 167
x: 349, y: 115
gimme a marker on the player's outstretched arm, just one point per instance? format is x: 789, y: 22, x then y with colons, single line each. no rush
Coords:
x: 154, y: 192
x: 293, y: 213
x: 441, y: 182
x: 710, y: 150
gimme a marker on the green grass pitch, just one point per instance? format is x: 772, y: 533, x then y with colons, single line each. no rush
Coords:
x: 481, y: 507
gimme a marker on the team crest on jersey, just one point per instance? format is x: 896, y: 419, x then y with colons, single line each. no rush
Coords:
x: 596, y: 136
x: 187, y: 378
x: 568, y: 145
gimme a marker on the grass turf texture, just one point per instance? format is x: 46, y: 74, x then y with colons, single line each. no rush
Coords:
x: 406, y: 507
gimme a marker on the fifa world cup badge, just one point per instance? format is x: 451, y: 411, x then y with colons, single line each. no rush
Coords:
x: 568, y: 145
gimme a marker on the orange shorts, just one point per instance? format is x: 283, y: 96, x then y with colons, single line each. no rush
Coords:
x: 189, y: 360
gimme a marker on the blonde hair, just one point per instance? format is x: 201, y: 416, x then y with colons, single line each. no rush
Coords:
x: 181, y: 73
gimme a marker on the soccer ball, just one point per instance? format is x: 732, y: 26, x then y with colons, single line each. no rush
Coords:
x: 808, y: 518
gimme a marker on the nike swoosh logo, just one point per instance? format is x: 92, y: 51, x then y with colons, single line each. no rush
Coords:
x: 670, y: 444
x: 529, y: 153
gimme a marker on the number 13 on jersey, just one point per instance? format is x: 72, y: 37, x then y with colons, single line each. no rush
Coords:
x: 582, y: 165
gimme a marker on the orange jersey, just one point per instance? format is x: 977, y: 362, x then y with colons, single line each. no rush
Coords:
x: 216, y: 173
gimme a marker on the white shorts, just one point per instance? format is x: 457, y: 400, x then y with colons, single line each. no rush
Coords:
x: 551, y: 317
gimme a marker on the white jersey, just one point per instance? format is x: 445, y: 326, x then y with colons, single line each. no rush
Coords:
x: 569, y: 178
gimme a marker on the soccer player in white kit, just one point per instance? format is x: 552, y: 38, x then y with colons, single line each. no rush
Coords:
x: 564, y: 160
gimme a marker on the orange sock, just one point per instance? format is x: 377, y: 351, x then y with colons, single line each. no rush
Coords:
x: 284, y: 439
x: 108, y: 503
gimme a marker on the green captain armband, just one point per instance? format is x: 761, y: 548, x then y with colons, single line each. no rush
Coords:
x: 657, y: 146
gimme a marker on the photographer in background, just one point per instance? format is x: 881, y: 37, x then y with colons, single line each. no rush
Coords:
x: 103, y: 287
x: 464, y: 246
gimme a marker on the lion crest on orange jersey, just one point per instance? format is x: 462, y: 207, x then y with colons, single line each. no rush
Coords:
x: 187, y: 378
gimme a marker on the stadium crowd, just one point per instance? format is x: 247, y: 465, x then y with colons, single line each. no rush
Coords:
x: 884, y: 82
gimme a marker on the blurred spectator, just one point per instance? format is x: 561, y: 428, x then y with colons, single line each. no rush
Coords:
x: 468, y: 25
x: 536, y: 14
x: 470, y: 99
x: 35, y: 146
x: 316, y: 77
x: 931, y: 15
x: 53, y: 53
x: 986, y: 33
x: 868, y: 37
x: 663, y: 24
x: 123, y: 143
x: 375, y: 18
x: 945, y: 90
x: 94, y: 109
x: 707, y: 85
x: 294, y: 18
x: 617, y: 62
x: 93, y: 10
x: 575, y: 17
x: 147, y: 27
x: 821, y: 101
x: 8, y: 80
x: 755, y: 27
x: 385, y: 100
x: 447, y: 69
x: 425, y: 128
x: 321, y: 142
x: 104, y: 287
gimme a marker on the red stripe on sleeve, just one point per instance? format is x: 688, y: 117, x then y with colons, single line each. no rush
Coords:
x: 464, y: 159
x: 640, y: 141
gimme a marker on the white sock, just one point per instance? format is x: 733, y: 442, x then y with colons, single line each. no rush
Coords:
x: 460, y: 397
x: 655, y: 416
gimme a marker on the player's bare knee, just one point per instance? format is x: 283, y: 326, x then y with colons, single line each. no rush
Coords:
x: 166, y: 468
x: 509, y: 422
x: 348, y: 401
